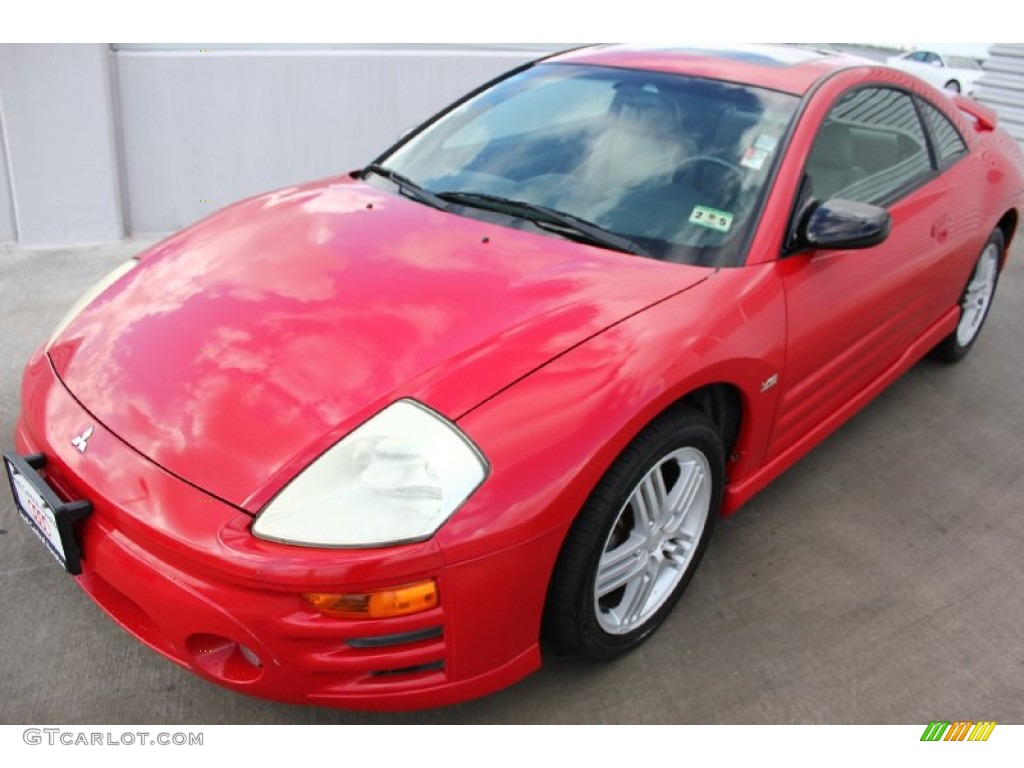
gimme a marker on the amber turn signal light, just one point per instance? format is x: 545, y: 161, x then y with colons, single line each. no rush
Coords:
x: 400, y: 601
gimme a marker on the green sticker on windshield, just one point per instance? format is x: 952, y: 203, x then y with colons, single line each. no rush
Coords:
x: 720, y: 221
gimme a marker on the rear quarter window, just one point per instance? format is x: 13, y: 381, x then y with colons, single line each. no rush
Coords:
x: 949, y: 144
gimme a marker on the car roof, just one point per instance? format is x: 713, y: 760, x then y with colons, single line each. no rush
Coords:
x: 788, y: 68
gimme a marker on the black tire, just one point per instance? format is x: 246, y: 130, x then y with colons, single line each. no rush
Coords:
x: 571, y: 619
x: 955, y: 347
x: 952, y: 85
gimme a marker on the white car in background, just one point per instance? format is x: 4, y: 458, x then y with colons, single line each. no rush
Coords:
x: 954, y: 73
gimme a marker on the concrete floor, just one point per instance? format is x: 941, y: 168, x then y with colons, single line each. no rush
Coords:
x: 879, y: 581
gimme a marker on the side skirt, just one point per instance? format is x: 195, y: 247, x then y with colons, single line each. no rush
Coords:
x: 739, y: 493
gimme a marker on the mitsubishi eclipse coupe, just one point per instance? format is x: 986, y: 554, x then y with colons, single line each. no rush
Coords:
x: 366, y: 442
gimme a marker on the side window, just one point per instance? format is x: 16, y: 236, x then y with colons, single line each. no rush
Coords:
x: 918, y: 56
x: 871, y: 148
x: 934, y: 59
x: 949, y: 144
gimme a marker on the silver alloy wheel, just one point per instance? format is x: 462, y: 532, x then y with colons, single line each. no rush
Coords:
x: 653, y: 541
x: 978, y: 296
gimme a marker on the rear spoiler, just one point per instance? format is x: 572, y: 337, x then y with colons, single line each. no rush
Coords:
x: 984, y: 118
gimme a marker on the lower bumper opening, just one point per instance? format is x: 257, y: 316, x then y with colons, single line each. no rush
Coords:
x: 432, y: 666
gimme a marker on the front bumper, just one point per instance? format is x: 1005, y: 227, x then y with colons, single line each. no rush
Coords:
x: 180, y: 571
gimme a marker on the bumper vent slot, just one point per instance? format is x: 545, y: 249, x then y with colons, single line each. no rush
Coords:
x: 402, y: 638
x: 432, y: 666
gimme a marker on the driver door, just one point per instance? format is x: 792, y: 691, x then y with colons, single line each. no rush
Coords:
x: 852, y: 314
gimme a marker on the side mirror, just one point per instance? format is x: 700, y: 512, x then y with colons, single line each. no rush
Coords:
x: 842, y: 225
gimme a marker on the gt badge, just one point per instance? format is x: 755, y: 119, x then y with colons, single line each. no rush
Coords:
x: 81, y: 442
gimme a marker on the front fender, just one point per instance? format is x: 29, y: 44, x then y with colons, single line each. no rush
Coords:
x: 550, y: 437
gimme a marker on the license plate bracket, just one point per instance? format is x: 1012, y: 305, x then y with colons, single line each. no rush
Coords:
x: 50, y: 518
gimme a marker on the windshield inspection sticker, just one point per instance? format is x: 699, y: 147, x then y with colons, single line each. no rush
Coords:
x: 754, y: 158
x: 720, y: 221
x: 766, y: 142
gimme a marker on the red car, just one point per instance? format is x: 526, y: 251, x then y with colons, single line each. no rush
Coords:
x: 367, y: 441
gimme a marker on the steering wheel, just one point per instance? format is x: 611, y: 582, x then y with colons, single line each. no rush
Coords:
x: 720, y: 189
x: 738, y: 170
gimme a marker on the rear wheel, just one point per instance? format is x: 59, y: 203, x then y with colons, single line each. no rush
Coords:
x: 637, y: 541
x: 975, y: 302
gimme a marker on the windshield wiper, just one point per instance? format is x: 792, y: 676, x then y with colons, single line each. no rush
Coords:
x: 547, y: 218
x: 406, y: 186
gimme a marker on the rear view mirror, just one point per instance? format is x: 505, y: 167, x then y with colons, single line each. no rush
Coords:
x: 845, y: 225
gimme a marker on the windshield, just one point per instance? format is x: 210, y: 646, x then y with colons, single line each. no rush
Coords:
x: 676, y: 165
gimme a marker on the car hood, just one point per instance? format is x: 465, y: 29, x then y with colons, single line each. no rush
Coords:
x: 245, y: 346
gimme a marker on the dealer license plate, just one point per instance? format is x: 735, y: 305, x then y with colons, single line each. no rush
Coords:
x: 49, y: 518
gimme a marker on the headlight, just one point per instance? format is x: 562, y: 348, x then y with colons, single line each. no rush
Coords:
x: 89, y: 296
x: 395, y: 479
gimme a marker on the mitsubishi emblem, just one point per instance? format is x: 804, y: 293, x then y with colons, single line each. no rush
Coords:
x: 82, y: 441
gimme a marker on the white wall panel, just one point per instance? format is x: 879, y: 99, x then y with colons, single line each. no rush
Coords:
x: 1002, y: 86
x: 8, y: 234
x: 201, y: 130
x: 60, y: 150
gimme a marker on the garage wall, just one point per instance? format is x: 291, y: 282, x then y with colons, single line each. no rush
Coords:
x: 107, y: 140
x: 7, y: 231
x: 1002, y: 86
x: 203, y: 128
x: 57, y: 128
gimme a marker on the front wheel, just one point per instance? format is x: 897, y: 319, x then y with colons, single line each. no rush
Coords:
x: 953, y: 86
x: 975, y: 302
x: 638, y: 539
